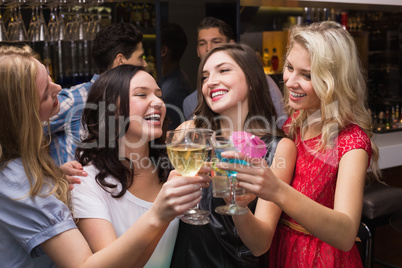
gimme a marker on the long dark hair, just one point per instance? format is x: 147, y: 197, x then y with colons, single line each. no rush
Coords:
x: 108, y: 103
x: 260, y: 105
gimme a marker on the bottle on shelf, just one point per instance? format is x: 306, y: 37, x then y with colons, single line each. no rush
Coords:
x: 387, y: 120
x: 374, y: 125
x: 393, y: 118
x: 396, y: 118
x: 274, y: 61
x: 137, y: 14
x: 146, y: 15
x: 400, y: 119
x: 381, y: 125
x: 150, y: 59
x: 266, y: 59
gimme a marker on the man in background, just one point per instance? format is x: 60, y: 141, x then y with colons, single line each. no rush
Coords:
x: 113, y: 45
x: 213, y: 32
x: 174, y: 83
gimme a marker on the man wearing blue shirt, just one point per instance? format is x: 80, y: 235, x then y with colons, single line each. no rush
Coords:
x: 113, y: 45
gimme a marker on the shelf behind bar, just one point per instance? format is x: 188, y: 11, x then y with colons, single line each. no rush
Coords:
x: 380, y: 5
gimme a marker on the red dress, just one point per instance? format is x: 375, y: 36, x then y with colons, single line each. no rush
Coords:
x: 315, y: 176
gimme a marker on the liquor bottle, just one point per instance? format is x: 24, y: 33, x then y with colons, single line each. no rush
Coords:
x: 387, y: 120
x: 393, y: 118
x: 266, y: 59
x: 374, y: 125
x: 136, y: 14
x: 150, y: 59
x: 146, y: 15
x: 274, y: 61
x: 400, y: 119
x: 381, y: 125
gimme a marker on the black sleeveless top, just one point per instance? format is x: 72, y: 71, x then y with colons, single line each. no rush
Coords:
x: 217, y: 244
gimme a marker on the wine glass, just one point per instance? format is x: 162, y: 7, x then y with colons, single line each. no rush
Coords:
x: 3, y: 32
x: 187, y: 150
x: 16, y: 29
x: 222, y: 144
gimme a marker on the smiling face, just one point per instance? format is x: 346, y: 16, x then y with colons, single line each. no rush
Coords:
x: 224, y: 85
x: 48, y: 102
x: 147, y: 110
x: 297, y: 78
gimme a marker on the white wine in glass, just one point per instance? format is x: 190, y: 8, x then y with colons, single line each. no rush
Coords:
x: 187, y: 159
x: 187, y: 151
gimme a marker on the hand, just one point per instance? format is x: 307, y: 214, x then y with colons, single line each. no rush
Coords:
x: 71, y: 169
x: 244, y: 200
x: 257, y: 177
x: 179, y: 194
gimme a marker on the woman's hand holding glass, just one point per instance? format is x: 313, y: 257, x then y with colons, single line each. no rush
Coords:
x: 187, y: 151
x: 257, y: 178
x: 179, y: 194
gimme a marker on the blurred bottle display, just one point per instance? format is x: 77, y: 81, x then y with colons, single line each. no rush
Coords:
x: 62, y: 32
x: 390, y: 120
x: 378, y: 37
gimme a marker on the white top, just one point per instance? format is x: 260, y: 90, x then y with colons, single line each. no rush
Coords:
x: 91, y: 201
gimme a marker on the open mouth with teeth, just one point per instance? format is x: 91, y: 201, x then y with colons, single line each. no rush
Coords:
x: 217, y: 94
x: 153, y: 117
x: 296, y: 95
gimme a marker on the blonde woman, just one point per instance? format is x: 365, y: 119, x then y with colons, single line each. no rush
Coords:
x: 36, y: 226
x: 326, y: 95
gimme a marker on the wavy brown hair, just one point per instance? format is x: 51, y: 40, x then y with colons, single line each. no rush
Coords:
x: 108, y: 101
x: 260, y: 106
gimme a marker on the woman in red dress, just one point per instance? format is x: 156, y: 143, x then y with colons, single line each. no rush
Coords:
x: 325, y: 93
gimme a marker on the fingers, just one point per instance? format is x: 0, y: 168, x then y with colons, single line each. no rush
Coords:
x: 73, y: 168
x: 183, y: 203
x: 205, y: 169
x: 254, y: 164
x: 76, y: 165
x: 203, y: 179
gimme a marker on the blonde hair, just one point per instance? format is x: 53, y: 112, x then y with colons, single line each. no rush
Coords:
x: 21, y: 134
x: 337, y: 79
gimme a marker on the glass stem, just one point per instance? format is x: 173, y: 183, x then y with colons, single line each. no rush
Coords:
x: 232, y: 197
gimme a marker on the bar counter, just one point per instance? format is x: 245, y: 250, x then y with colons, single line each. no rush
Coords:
x: 390, y: 147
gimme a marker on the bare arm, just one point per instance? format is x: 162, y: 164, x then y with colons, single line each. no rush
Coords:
x: 256, y: 231
x: 135, y: 246
x: 337, y: 227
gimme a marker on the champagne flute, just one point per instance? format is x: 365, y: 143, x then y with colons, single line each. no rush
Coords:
x: 187, y: 150
x: 222, y: 144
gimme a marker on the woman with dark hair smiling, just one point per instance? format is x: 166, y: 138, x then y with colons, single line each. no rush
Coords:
x: 235, y: 97
x: 128, y: 170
